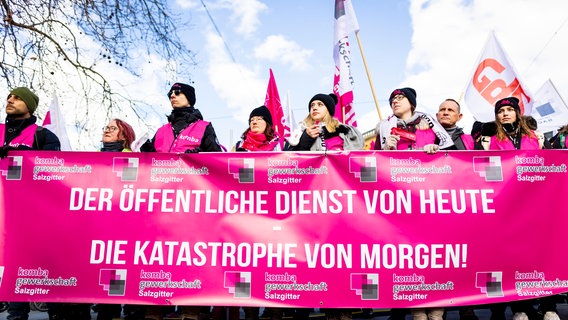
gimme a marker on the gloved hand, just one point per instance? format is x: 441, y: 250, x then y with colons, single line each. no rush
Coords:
x: 392, y: 142
x: 489, y: 129
x: 4, y: 151
x: 148, y: 146
x: 195, y: 150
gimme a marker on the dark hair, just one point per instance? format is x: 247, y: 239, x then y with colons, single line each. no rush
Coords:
x: 127, y: 133
x: 268, y: 132
x: 522, y: 123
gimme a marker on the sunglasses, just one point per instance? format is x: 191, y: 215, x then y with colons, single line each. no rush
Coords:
x: 176, y: 92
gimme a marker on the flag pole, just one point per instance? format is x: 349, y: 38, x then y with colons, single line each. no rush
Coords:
x: 368, y: 75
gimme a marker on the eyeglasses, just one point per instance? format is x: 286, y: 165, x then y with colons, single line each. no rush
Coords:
x: 177, y: 92
x: 109, y: 128
x: 257, y: 118
x: 398, y: 97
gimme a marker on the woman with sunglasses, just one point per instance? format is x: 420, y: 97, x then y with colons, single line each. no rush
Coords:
x: 186, y: 131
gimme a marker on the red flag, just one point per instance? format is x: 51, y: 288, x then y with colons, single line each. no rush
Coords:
x: 494, y: 79
x: 272, y: 102
x: 345, y: 23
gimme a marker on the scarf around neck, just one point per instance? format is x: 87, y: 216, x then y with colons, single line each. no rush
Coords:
x: 112, y: 146
x: 257, y: 142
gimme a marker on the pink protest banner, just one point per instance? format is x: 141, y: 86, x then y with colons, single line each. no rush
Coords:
x: 358, y: 229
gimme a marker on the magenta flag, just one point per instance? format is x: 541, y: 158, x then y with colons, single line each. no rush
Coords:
x: 345, y: 24
x: 361, y: 229
x: 273, y: 103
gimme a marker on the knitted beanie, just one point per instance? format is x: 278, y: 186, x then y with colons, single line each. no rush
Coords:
x: 263, y: 112
x: 330, y: 100
x: 409, y: 93
x: 186, y: 89
x: 510, y: 101
x: 30, y: 98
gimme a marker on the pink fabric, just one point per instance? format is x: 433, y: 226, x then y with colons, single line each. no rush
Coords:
x: 423, y: 137
x: 26, y: 138
x: 283, y: 229
x: 334, y: 143
x: 527, y: 143
x: 273, y: 103
x: 189, y: 138
x: 257, y: 142
x: 468, y: 141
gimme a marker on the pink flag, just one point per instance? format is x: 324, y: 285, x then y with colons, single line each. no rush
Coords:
x: 272, y: 102
x: 345, y: 23
x: 55, y: 122
x: 495, y: 78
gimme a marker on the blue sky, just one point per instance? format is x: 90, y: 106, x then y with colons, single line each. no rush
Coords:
x: 430, y: 45
x: 295, y: 39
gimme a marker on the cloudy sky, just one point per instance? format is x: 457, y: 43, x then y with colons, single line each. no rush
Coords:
x: 432, y: 46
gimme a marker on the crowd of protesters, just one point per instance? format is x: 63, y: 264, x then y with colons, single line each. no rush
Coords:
x: 187, y: 132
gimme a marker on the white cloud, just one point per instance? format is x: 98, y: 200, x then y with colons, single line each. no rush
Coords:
x: 238, y: 86
x: 276, y: 48
x: 189, y: 4
x: 244, y: 13
x: 450, y: 35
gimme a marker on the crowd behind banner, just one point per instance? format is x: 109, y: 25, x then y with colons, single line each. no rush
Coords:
x: 407, y: 129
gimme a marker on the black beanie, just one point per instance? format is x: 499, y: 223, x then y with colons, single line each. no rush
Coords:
x: 186, y: 89
x: 263, y: 112
x: 330, y: 100
x: 510, y: 101
x: 409, y: 93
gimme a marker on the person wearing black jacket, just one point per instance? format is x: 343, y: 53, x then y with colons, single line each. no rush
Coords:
x: 186, y: 131
x: 21, y: 133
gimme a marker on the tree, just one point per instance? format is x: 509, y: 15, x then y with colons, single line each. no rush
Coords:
x: 70, y: 45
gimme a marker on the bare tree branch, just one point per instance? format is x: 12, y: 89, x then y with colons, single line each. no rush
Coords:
x: 47, y: 41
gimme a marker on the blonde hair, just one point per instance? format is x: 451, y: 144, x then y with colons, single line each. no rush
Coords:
x: 331, y: 124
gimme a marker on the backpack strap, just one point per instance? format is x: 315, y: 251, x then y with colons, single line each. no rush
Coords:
x: 39, y: 138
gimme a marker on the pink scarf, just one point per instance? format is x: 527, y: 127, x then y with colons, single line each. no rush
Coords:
x: 257, y: 142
